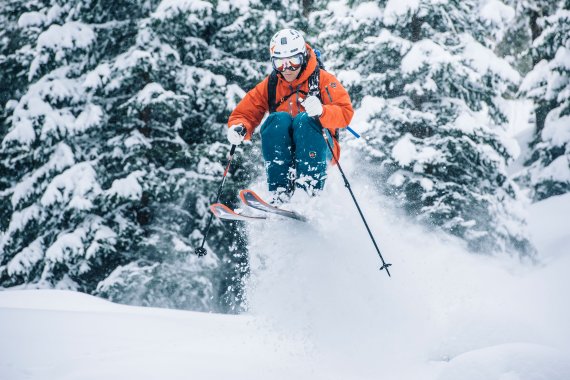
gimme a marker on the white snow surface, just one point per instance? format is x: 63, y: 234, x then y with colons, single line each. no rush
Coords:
x: 368, y: 10
x: 395, y: 9
x: 497, y: 13
x: 498, y: 16
x: 319, y: 308
x: 171, y: 8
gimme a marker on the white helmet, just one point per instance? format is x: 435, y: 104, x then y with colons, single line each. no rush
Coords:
x: 286, y: 43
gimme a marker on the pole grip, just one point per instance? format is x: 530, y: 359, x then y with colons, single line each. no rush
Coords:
x: 242, y: 131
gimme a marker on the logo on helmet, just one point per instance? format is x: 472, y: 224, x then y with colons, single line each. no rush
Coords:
x: 286, y: 43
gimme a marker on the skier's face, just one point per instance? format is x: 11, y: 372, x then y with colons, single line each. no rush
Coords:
x: 290, y: 76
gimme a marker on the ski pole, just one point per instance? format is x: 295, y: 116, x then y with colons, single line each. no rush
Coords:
x: 347, y: 185
x: 201, y: 251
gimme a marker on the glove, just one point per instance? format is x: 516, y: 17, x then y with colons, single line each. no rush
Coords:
x: 313, y: 106
x: 236, y: 133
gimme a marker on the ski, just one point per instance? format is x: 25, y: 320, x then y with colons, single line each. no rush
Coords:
x: 221, y: 211
x: 251, y: 199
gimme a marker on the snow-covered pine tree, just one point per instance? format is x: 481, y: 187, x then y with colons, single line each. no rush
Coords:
x: 46, y: 104
x: 513, y: 24
x: 547, y: 170
x: 429, y: 92
x: 113, y: 149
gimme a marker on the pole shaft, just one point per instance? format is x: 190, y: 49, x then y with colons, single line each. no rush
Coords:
x: 200, y: 251
x: 347, y: 185
x: 207, y: 230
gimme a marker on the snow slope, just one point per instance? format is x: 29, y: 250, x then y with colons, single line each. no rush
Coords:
x: 320, y: 309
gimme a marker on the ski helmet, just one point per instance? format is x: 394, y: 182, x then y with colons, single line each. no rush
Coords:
x: 287, y: 43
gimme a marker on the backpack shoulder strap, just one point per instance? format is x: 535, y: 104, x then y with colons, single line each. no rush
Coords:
x: 271, y: 91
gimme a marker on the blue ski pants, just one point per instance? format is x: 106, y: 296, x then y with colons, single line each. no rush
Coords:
x: 295, y: 152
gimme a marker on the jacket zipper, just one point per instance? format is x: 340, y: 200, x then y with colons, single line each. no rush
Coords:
x: 328, y: 93
x: 291, y: 102
x: 297, y: 98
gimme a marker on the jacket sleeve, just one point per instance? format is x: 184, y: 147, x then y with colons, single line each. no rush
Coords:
x: 337, y: 107
x: 251, y: 109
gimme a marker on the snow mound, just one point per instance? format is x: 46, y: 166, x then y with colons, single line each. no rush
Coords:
x: 509, y: 362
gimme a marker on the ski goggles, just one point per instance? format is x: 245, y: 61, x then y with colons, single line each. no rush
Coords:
x: 293, y: 63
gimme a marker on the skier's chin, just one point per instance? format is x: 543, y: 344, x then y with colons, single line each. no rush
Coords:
x: 291, y: 75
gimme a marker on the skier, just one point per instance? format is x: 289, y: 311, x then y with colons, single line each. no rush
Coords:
x: 300, y: 98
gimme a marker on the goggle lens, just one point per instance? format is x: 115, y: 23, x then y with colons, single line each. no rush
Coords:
x: 290, y: 63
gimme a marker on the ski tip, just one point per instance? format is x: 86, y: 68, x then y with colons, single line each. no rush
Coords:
x: 247, y: 193
x: 218, y: 208
x: 242, y: 196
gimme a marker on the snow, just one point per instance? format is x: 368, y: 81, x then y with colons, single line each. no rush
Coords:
x: 61, y: 158
x: 370, y: 105
x: 29, y: 19
x: 368, y: 10
x: 19, y: 221
x: 91, y: 116
x: 521, y: 127
x: 548, y: 224
x: 466, y: 122
x: 318, y: 306
x: 155, y: 93
x: 395, y: 9
x: 485, y: 60
x: 54, y: 13
x: 349, y: 77
x: 339, y: 9
x: 23, y: 133
x: 558, y: 171
x: 170, y: 8
x: 514, y: 361
x: 498, y: 16
x: 425, y: 52
x: 98, y: 77
x: 562, y: 58
x: 534, y: 82
x: 557, y: 128
x: 129, y: 187
x: 497, y: 12
x: 320, y: 309
x: 234, y: 94
x: 102, y: 234
x: 60, y: 40
x: 404, y: 150
x: 76, y: 186
x: 224, y: 6
x: 26, y: 258
x: 34, y: 110
x: 67, y: 245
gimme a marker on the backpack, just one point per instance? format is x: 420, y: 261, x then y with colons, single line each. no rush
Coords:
x: 313, y: 87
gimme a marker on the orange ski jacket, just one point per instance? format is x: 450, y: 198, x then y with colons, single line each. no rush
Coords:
x: 337, y: 108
